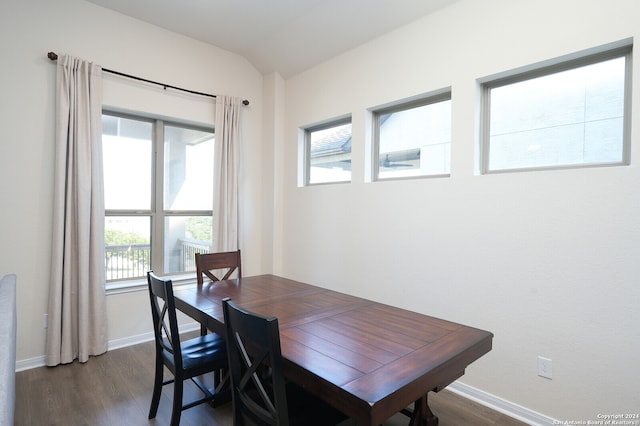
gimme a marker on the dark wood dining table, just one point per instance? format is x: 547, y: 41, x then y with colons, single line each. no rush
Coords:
x: 368, y: 359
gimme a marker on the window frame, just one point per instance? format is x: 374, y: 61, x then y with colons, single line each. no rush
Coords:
x: 621, y: 49
x: 156, y: 213
x: 431, y: 98
x: 307, y: 131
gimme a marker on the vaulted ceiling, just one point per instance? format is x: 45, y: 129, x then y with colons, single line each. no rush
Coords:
x: 284, y: 36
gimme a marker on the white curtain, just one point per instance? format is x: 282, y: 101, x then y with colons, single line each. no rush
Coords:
x: 226, y: 172
x: 77, y: 321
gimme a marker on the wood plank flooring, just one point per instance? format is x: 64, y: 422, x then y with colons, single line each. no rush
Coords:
x: 115, y: 389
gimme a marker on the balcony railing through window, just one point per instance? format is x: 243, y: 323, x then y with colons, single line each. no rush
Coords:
x: 127, y: 261
x: 130, y: 261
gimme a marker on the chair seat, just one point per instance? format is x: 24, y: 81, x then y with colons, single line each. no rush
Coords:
x: 203, y: 350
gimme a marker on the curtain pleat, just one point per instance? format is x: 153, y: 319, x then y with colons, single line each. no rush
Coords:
x: 77, y: 318
x: 226, y: 172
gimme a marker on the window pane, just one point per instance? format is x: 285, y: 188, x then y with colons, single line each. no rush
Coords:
x: 415, y: 141
x: 184, y: 177
x: 184, y: 236
x: 568, y: 118
x: 127, y: 246
x: 330, y: 154
x: 188, y: 174
x: 127, y: 160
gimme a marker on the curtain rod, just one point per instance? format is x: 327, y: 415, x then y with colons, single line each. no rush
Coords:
x: 54, y: 57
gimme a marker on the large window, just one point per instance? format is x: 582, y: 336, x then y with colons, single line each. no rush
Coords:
x: 158, y: 195
x: 328, y: 152
x: 567, y: 115
x: 413, y: 138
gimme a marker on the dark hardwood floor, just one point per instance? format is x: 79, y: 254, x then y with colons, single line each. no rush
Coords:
x: 115, y: 389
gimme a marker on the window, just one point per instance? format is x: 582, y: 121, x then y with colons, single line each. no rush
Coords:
x: 158, y: 180
x: 568, y: 115
x: 328, y: 152
x: 413, y: 138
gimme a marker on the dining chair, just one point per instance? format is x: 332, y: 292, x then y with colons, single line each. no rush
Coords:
x: 184, y: 359
x: 225, y: 262
x: 259, y: 392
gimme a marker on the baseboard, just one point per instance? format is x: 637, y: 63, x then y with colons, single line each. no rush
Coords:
x: 130, y: 341
x: 39, y: 361
x: 28, y: 364
x: 501, y: 405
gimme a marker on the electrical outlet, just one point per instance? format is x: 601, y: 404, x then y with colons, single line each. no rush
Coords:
x: 545, y: 367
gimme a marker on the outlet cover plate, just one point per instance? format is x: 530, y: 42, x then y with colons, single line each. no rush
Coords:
x: 545, y: 367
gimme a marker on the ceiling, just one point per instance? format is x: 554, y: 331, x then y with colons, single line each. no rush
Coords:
x: 284, y: 36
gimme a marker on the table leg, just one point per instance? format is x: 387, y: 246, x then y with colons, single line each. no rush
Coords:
x: 422, y: 414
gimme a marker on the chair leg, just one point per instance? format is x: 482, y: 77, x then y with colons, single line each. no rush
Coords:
x: 157, y: 389
x: 217, y: 378
x: 176, y: 411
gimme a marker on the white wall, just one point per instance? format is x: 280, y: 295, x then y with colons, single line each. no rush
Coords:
x: 547, y: 261
x: 29, y: 30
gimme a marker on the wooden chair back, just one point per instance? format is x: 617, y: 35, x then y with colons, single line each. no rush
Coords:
x: 224, y: 264
x: 165, y: 320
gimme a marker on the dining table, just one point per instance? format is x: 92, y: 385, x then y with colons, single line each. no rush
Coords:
x: 369, y: 359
